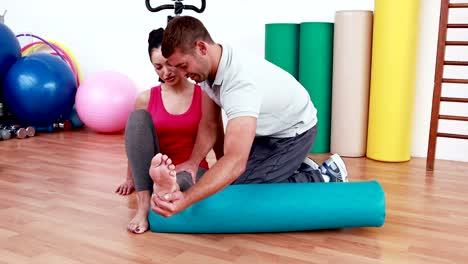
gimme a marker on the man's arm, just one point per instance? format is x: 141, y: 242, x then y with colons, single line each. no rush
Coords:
x: 218, y: 147
x: 240, y: 134
x: 207, y: 129
x: 242, y: 104
x: 237, y: 144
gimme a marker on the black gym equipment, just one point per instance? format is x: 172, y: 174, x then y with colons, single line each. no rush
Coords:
x: 178, y: 7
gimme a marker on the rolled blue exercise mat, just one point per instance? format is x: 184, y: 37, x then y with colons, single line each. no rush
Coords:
x: 281, y: 207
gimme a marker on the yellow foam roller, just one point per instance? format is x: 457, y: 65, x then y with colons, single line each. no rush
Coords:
x: 391, y: 100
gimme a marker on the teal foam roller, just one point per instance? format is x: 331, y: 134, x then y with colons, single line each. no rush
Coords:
x: 281, y: 207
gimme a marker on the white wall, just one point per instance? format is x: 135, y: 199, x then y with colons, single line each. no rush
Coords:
x: 451, y: 149
x: 112, y: 35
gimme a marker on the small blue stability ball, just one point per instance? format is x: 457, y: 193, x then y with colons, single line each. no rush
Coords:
x: 10, y: 50
x: 40, y: 88
x: 75, y: 119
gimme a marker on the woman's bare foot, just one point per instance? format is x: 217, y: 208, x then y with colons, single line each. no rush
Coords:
x: 162, y: 171
x: 126, y: 188
x: 139, y: 223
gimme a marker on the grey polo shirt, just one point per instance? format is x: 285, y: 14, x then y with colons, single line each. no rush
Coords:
x: 252, y: 86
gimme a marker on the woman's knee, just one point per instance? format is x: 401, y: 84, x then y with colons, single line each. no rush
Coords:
x: 139, y: 115
x: 138, y: 118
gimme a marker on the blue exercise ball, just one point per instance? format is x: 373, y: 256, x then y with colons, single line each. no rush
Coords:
x: 10, y: 50
x: 40, y: 88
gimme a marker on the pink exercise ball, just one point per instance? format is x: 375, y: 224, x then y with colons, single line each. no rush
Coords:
x: 105, y: 100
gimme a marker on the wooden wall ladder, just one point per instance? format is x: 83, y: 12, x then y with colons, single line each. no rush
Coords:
x: 439, y: 79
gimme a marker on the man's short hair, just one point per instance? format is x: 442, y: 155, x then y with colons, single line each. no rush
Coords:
x: 182, y: 33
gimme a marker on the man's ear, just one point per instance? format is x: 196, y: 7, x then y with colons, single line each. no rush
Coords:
x: 202, y: 47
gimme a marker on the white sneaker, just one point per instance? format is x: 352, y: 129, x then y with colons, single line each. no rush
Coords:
x: 311, y: 163
x: 335, y: 168
x: 309, y: 166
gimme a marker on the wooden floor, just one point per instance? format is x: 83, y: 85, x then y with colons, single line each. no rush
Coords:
x: 57, y: 205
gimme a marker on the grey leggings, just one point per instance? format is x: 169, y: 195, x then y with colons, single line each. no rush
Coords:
x: 141, y: 144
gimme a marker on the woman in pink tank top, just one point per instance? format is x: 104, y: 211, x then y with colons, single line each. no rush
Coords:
x: 165, y: 120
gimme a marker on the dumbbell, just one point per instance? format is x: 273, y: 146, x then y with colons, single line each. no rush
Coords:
x: 30, y: 131
x: 4, y: 134
x: 48, y: 129
x: 19, y: 132
x: 64, y: 126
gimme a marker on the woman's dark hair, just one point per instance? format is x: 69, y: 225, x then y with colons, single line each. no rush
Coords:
x: 154, y: 42
x: 155, y: 39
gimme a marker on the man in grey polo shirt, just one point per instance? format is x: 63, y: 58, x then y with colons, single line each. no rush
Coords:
x: 271, y: 121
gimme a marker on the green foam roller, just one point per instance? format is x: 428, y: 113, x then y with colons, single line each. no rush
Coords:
x: 280, y: 207
x: 315, y: 74
x: 282, y: 46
